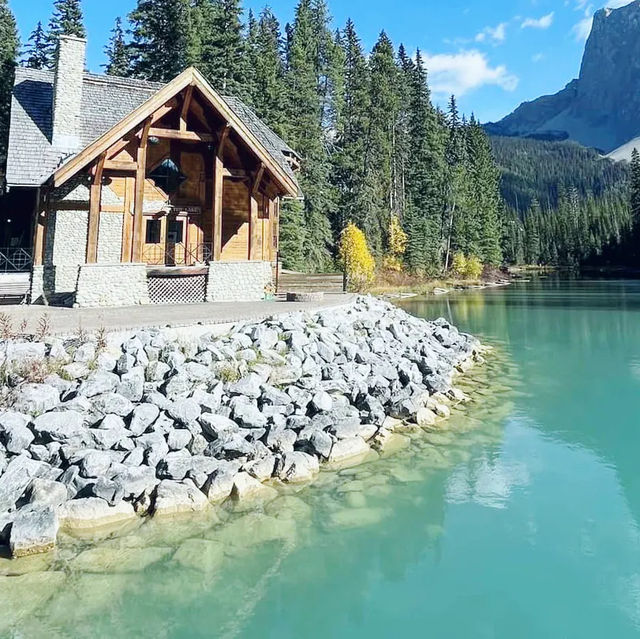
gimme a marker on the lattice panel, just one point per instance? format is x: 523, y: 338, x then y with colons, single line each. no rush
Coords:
x: 187, y: 289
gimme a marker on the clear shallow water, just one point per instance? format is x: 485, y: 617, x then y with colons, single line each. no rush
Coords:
x: 519, y: 521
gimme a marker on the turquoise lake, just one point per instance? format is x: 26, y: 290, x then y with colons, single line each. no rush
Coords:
x: 520, y: 520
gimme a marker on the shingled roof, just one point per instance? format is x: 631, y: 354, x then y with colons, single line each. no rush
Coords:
x: 106, y: 100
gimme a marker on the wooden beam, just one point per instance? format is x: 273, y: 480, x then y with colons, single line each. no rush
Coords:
x: 254, y: 221
x: 185, y: 107
x: 138, y: 199
x: 134, y: 119
x: 184, y: 136
x: 120, y: 165
x: 218, y: 189
x: 40, y: 227
x: 95, y: 199
x: 198, y: 110
x: 127, y: 221
x: 236, y: 173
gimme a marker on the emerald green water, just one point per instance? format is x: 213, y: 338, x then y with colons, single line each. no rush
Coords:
x: 519, y: 520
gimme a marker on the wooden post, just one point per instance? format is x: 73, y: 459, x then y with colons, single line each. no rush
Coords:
x: 95, y: 200
x: 138, y: 198
x: 218, y: 187
x: 253, y: 214
x: 185, y: 107
x: 40, y: 227
x: 127, y: 222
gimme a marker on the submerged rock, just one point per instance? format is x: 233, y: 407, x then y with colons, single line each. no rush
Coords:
x: 34, y: 531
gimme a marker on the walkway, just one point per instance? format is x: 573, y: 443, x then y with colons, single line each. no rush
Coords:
x: 65, y: 321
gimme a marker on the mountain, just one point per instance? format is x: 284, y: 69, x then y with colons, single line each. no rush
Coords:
x: 541, y: 170
x: 599, y: 109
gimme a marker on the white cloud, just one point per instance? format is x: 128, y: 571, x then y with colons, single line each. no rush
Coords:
x: 537, y: 57
x: 466, y: 71
x: 538, y: 23
x: 495, y: 34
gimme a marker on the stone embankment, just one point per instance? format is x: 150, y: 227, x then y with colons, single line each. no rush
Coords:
x: 92, y: 435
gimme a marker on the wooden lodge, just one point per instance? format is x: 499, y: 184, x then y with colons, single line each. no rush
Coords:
x: 130, y: 192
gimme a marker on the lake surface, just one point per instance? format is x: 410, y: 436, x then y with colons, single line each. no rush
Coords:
x: 520, y: 520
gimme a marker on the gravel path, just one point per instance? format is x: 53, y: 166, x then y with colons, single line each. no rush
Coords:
x: 68, y: 320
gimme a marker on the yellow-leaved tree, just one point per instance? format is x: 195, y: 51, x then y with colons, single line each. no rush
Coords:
x: 397, y: 245
x: 459, y: 264
x: 474, y: 268
x: 356, y: 258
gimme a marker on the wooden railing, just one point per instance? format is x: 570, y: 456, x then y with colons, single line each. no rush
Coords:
x: 177, y: 254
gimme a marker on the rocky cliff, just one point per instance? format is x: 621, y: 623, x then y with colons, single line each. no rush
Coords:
x: 601, y: 108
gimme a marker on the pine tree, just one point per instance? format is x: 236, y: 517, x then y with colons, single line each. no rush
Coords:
x: 305, y: 110
x: 36, y: 52
x: 380, y: 149
x: 352, y: 128
x: 424, y: 169
x: 161, y: 36
x: 635, y: 187
x: 268, y: 74
x: 223, y: 47
x: 118, y: 54
x: 67, y: 19
x: 8, y: 54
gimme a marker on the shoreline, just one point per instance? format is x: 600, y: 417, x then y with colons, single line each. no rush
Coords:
x: 170, y: 428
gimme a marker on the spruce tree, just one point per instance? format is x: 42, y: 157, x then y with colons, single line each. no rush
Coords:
x: 36, y: 52
x: 8, y: 54
x: 222, y: 57
x: 67, y: 19
x: 635, y: 187
x: 424, y: 173
x: 380, y: 150
x: 305, y: 110
x: 160, y: 38
x: 352, y: 129
x: 118, y: 54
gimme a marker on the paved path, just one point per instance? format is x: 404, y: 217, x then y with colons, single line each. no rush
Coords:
x: 69, y: 320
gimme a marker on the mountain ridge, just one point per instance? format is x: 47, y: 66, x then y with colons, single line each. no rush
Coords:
x: 601, y: 107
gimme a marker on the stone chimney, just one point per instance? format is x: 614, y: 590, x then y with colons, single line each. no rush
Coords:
x: 67, y: 93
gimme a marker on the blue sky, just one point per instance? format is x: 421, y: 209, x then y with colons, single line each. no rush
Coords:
x: 493, y: 54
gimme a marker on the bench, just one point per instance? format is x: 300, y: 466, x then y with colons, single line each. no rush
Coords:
x: 14, y: 286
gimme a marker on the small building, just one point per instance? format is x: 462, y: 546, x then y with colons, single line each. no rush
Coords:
x: 129, y: 192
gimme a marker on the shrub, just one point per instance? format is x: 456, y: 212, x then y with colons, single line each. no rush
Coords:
x: 459, y: 264
x: 356, y: 258
x: 474, y: 268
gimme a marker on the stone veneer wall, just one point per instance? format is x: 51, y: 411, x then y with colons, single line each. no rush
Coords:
x: 110, y: 238
x: 238, y: 281
x: 112, y: 285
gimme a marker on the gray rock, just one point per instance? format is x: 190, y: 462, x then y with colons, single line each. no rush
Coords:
x: 197, y: 372
x: 219, y: 485
x: 45, y: 492
x: 106, y: 362
x: 178, y: 386
x: 185, y: 411
x: 175, y: 465
x: 24, y: 351
x: 281, y: 441
x: 143, y: 416
x: 262, y: 469
x: 108, y: 490
x: 179, y: 438
x: 113, y: 403
x: 298, y: 467
x: 131, y: 384
x: 157, y: 371
x: 249, y: 416
x: 174, y: 498
x: 15, y: 479
x: 322, y: 402
x: 17, y: 439
x: 98, y: 383
x: 248, y: 386
x: 209, y: 401
x: 61, y: 427
x: 36, y: 398
x: 230, y: 446
x: 135, y: 481
x: 95, y: 463
x: 198, y: 444
x: 215, y: 426
x: 155, y: 447
x: 34, y: 531
x: 275, y: 396
x: 85, y: 353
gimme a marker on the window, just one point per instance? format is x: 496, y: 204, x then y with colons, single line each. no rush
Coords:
x: 167, y: 176
x: 152, y: 235
x: 175, y: 231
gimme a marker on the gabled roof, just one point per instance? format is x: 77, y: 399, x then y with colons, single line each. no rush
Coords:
x: 109, y: 105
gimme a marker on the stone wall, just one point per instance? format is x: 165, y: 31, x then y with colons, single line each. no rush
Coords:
x: 112, y: 285
x: 110, y: 238
x: 238, y: 281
